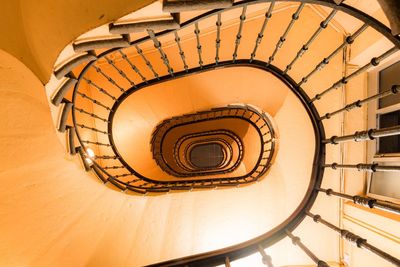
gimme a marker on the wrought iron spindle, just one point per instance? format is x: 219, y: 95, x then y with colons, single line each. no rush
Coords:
x: 181, y: 53
x: 94, y: 101
x: 363, y: 167
x: 239, y: 33
x: 106, y: 157
x: 357, y: 104
x: 297, y: 242
x: 108, y: 78
x: 349, y: 40
x: 305, y: 47
x: 227, y: 262
x: 122, y: 175
x: 374, y: 62
x: 365, y: 201
x: 91, y: 128
x: 148, y: 64
x: 113, y: 167
x: 95, y: 143
x: 164, y: 57
x: 260, y: 35
x: 282, y: 39
x: 101, y: 90
x: 135, y: 69
x: 355, y: 239
x: 266, y: 259
x: 218, y: 39
x: 90, y: 114
x: 197, y: 32
x: 120, y: 72
x: 364, y: 135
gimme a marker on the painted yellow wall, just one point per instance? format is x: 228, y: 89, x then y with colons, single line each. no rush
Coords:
x: 36, y: 31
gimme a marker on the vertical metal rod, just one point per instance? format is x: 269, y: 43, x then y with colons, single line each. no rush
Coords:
x: 227, y: 262
x: 357, y: 104
x: 305, y: 47
x: 108, y: 78
x: 164, y: 57
x: 181, y: 53
x: 197, y: 32
x: 364, y: 135
x: 365, y: 201
x: 374, y: 62
x: 297, y: 242
x: 218, y: 39
x: 91, y: 128
x: 94, y: 101
x: 349, y: 40
x: 239, y: 34
x: 90, y: 82
x: 355, y: 239
x: 95, y: 143
x: 363, y: 167
x: 148, y: 64
x: 81, y: 110
x: 282, y: 39
x: 260, y: 35
x: 135, y: 69
x: 120, y: 72
x: 266, y: 259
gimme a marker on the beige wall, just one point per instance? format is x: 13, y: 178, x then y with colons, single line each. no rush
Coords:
x: 36, y: 31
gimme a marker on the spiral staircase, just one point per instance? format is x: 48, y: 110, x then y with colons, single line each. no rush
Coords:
x: 250, y: 110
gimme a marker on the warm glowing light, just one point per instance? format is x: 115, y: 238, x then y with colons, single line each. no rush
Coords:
x: 90, y: 153
x: 89, y: 161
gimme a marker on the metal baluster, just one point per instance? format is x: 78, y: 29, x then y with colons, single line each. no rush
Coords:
x: 106, y: 157
x: 260, y: 35
x: 148, y: 64
x: 181, y: 53
x: 218, y: 39
x: 108, y: 78
x: 364, y: 135
x: 94, y: 101
x: 197, y: 32
x: 363, y: 167
x: 374, y: 62
x: 122, y: 175
x: 355, y: 239
x: 90, y: 114
x: 349, y: 40
x: 266, y: 259
x: 282, y: 39
x: 113, y: 167
x: 297, y: 242
x: 357, y: 104
x: 120, y: 72
x: 90, y: 128
x: 99, y: 88
x: 365, y: 201
x: 305, y: 47
x: 239, y: 34
x: 157, y: 45
x: 95, y: 143
x: 227, y: 262
x: 135, y: 69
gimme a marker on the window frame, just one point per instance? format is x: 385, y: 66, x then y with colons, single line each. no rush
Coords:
x: 373, y: 112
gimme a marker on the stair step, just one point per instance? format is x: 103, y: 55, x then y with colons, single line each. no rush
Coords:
x: 194, y: 5
x: 171, y: 23
x: 108, y: 42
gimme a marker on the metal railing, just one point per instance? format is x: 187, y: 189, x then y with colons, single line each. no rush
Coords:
x: 259, y: 121
x: 109, y: 100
